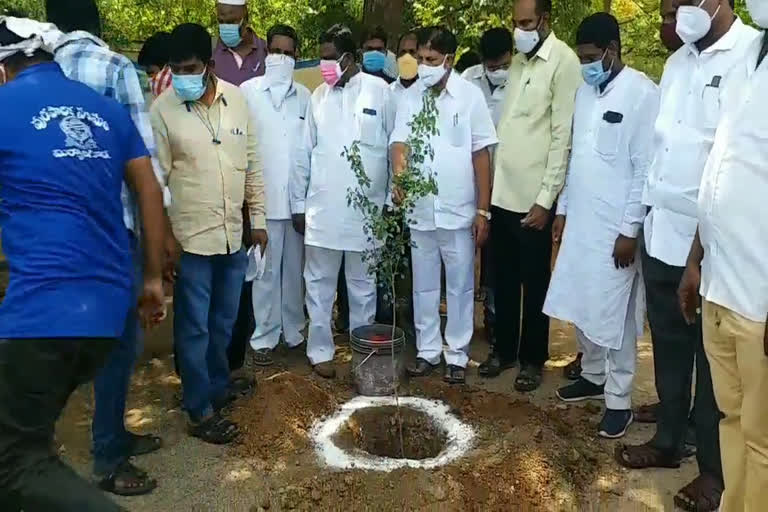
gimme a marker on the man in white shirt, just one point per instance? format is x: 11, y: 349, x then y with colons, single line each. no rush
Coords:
x: 278, y: 105
x: 407, y: 65
x: 728, y: 261
x: 448, y: 226
x: 350, y: 106
x: 596, y: 284
x: 692, y: 90
x: 491, y: 77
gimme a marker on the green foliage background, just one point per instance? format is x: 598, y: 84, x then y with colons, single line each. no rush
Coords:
x: 128, y: 22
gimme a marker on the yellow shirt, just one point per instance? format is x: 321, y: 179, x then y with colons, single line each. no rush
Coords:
x: 211, y: 160
x: 535, y: 127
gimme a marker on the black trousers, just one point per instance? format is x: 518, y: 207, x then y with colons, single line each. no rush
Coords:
x: 522, y: 257
x: 675, y: 347
x: 243, y: 329
x: 36, y: 379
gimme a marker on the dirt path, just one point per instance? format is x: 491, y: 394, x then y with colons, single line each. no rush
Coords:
x: 532, y: 454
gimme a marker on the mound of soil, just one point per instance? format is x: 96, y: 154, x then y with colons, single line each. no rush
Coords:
x: 376, y: 430
x: 275, y: 421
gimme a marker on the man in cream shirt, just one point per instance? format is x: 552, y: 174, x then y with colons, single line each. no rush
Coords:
x: 692, y: 91
x: 734, y: 276
x: 278, y: 105
x: 530, y: 162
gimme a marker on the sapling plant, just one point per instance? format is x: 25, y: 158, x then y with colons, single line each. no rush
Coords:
x: 386, y: 228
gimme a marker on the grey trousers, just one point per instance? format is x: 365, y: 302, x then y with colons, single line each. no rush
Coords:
x: 676, y: 345
x: 36, y: 379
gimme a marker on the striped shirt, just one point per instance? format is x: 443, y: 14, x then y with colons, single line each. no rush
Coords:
x: 87, y: 59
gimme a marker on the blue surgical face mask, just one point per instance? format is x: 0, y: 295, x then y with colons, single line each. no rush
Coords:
x: 189, y: 87
x: 374, y: 61
x: 230, y: 34
x: 594, y: 74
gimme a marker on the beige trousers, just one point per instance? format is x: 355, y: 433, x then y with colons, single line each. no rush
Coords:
x: 734, y: 347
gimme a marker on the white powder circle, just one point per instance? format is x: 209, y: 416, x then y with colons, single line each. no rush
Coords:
x: 460, y: 436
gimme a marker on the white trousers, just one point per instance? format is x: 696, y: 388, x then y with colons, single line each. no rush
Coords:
x: 614, y: 368
x: 321, y: 274
x: 278, y: 297
x: 456, y: 249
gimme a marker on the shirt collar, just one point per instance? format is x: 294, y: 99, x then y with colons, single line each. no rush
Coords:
x: 43, y: 67
x: 725, y: 43
x: 476, y: 72
x: 612, y: 83
x: 80, y: 35
x: 546, y: 47
x: 453, y: 86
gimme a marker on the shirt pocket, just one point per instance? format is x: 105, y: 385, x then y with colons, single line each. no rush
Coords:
x: 234, y: 137
x: 370, y: 129
x: 454, y: 130
x: 709, y: 113
x: 608, y: 137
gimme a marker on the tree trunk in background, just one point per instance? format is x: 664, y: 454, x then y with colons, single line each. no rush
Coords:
x: 388, y: 14
x: 607, y: 5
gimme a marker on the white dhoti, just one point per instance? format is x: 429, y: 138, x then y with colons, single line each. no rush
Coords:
x: 618, y: 374
x: 321, y: 274
x: 278, y: 297
x: 456, y: 249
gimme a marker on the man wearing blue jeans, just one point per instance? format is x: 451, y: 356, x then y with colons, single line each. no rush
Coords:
x: 208, y: 147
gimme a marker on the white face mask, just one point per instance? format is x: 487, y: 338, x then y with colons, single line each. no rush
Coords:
x: 693, y: 22
x: 431, y: 75
x: 497, y: 77
x: 278, y: 68
x: 526, y: 40
x: 758, y: 9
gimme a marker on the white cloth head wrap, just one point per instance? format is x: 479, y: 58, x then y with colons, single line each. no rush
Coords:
x: 35, y: 36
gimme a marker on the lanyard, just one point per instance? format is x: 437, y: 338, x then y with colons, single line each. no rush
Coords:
x: 208, y: 125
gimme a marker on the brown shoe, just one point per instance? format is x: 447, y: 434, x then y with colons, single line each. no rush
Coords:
x: 325, y: 370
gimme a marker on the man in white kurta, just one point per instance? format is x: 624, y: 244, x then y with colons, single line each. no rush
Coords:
x: 596, y: 283
x: 350, y: 106
x: 277, y: 107
x: 447, y: 226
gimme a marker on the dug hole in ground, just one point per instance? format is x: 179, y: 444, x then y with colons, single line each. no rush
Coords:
x: 529, y: 452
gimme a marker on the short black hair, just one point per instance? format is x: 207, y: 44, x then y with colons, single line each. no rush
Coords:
x: 439, y: 39
x: 376, y: 32
x: 543, y: 6
x: 599, y: 29
x: 341, y: 37
x: 16, y: 60
x: 156, y: 50
x: 495, y: 42
x: 188, y: 41
x: 283, y: 30
x: 467, y: 60
x: 71, y: 15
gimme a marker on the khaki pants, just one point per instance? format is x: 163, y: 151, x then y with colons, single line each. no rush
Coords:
x: 734, y: 347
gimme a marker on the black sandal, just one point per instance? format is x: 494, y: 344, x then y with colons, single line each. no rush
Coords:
x: 644, y: 456
x: 215, y: 430
x: 142, y: 445
x: 454, y: 374
x: 263, y: 357
x: 529, y: 379
x: 119, y: 481
x: 494, y: 365
x: 701, y: 495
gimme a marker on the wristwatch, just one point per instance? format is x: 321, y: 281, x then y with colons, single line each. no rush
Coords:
x: 484, y: 213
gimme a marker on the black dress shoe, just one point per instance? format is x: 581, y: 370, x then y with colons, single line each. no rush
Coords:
x: 494, y: 365
x: 454, y: 374
x: 421, y: 368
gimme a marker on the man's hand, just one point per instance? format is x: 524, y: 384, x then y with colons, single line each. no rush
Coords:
x: 557, y: 229
x: 688, y: 293
x: 152, y: 308
x: 299, y: 223
x: 398, y: 196
x: 624, y: 251
x: 172, y: 250
x: 480, y: 230
x: 259, y: 237
x: 537, y: 218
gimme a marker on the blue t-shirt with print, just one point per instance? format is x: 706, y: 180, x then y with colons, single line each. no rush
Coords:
x: 63, y: 152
